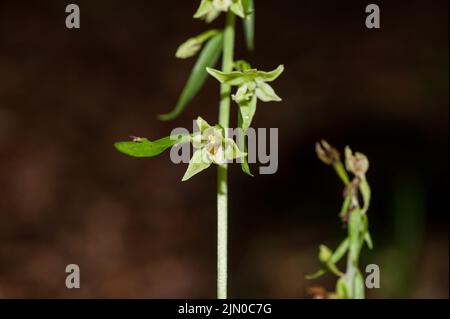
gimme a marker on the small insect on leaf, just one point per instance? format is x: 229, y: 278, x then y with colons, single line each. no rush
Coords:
x: 142, y: 147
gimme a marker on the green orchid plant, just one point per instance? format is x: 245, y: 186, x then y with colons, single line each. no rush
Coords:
x: 212, y: 144
x: 353, y: 214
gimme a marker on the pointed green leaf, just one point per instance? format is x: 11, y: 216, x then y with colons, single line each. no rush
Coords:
x: 199, y: 162
x: 238, y: 8
x: 366, y: 234
x: 204, y: 8
x: 368, y: 240
x: 208, y: 58
x: 266, y: 93
x: 230, y: 78
x: 271, y: 75
x: 142, y: 147
x: 249, y: 24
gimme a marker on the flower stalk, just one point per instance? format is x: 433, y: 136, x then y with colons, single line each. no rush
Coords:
x: 222, y: 170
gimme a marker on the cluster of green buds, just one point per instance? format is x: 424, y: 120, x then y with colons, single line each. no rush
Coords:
x: 354, y: 215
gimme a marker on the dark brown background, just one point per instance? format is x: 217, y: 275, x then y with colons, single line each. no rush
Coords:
x: 136, y: 231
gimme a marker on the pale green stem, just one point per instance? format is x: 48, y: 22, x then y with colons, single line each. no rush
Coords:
x: 222, y: 171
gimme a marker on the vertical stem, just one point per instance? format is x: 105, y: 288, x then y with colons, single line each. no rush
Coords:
x: 222, y: 171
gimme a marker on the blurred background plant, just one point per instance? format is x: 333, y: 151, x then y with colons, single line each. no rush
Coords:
x: 353, y: 214
x: 68, y: 197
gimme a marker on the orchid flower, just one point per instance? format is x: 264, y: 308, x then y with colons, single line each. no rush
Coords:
x: 209, y: 10
x: 212, y: 147
x: 252, y: 85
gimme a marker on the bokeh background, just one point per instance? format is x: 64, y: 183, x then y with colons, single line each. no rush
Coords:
x: 136, y: 231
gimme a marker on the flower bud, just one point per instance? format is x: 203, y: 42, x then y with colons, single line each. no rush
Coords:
x: 358, y: 163
x: 325, y: 253
x: 326, y: 153
x: 188, y: 49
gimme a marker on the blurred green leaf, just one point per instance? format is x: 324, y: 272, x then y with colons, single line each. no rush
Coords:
x: 358, y: 286
x: 340, y: 251
x: 249, y: 23
x: 354, y: 224
x: 316, y: 275
x: 208, y: 58
x: 366, y: 234
x: 342, y: 288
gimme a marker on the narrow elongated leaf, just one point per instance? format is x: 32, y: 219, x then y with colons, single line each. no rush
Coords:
x: 249, y: 23
x: 340, y: 251
x: 142, y: 147
x: 208, y: 58
x: 368, y: 240
x: 345, y: 207
x: 316, y: 275
x: 366, y: 234
x: 354, y: 231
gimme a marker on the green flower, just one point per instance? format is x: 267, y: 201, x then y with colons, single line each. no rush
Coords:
x: 211, y: 9
x: 212, y: 147
x: 252, y: 85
